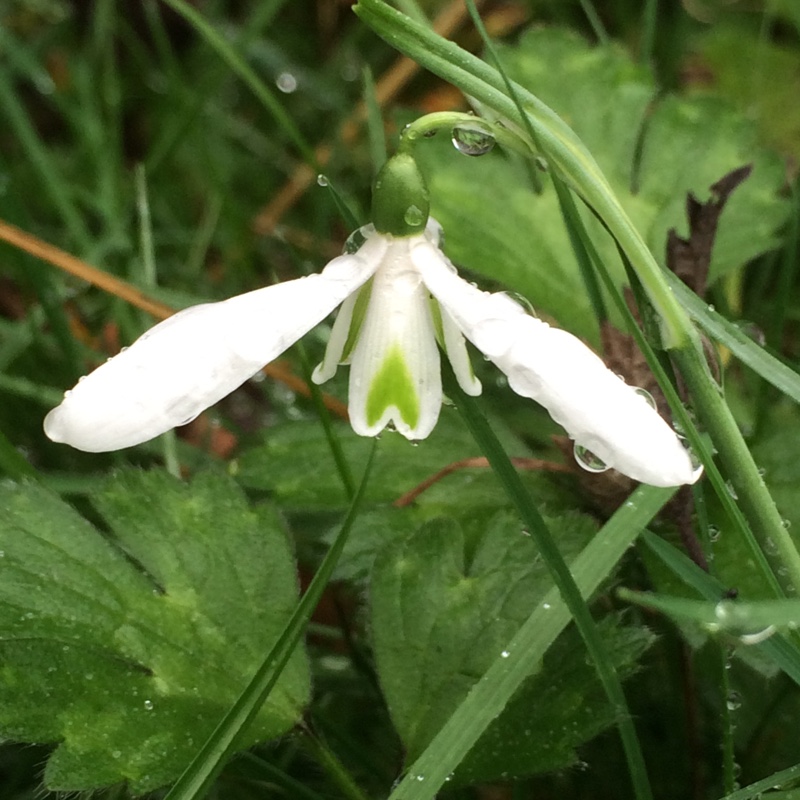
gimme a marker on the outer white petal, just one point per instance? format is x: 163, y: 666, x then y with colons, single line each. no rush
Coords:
x: 553, y: 367
x: 397, y: 334
x: 193, y: 359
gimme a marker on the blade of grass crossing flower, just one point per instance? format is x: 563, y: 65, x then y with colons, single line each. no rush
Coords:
x: 375, y: 133
x: 565, y: 151
x: 491, y: 694
x: 243, y: 70
x: 562, y: 577
x: 200, y: 774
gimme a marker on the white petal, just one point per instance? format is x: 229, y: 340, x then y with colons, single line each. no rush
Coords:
x: 456, y: 349
x: 193, y: 359
x: 553, y: 367
x: 326, y: 369
x: 395, y: 370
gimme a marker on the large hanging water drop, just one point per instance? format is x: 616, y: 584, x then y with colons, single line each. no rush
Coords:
x: 472, y: 138
x: 588, y: 460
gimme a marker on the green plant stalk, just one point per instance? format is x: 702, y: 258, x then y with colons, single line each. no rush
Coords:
x: 489, y: 696
x: 743, y: 474
x: 198, y: 777
x: 562, y: 148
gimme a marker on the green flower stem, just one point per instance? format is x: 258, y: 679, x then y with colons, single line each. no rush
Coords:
x: 562, y: 148
x: 198, y: 777
x: 743, y: 474
x: 430, y: 124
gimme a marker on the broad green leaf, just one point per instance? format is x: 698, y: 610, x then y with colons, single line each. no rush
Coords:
x: 765, y: 87
x: 445, y: 603
x: 497, y: 226
x: 125, y: 649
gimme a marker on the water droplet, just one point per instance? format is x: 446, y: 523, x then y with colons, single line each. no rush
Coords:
x: 787, y: 523
x: 286, y: 82
x: 2, y: 553
x: 647, y: 396
x: 588, y: 460
x: 414, y: 216
x: 733, y: 701
x: 116, y: 753
x: 713, y: 533
x: 546, y: 606
x: 420, y: 777
x: 731, y: 490
x: 472, y: 138
x: 521, y: 300
x: 322, y: 180
x: 355, y: 240
x: 148, y: 705
x: 505, y: 654
x: 430, y: 134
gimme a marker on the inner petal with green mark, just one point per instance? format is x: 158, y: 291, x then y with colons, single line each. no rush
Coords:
x: 393, y: 386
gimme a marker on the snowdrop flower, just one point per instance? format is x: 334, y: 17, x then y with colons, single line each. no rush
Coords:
x: 401, y: 301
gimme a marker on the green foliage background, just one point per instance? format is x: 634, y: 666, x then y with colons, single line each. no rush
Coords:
x: 135, y: 605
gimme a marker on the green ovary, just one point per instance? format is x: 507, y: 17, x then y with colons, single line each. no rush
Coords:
x: 393, y: 386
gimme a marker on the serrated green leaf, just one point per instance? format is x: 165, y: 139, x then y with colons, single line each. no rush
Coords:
x: 445, y: 603
x: 687, y: 145
x: 127, y: 649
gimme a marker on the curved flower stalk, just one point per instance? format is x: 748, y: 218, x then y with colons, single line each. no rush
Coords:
x: 400, y: 297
